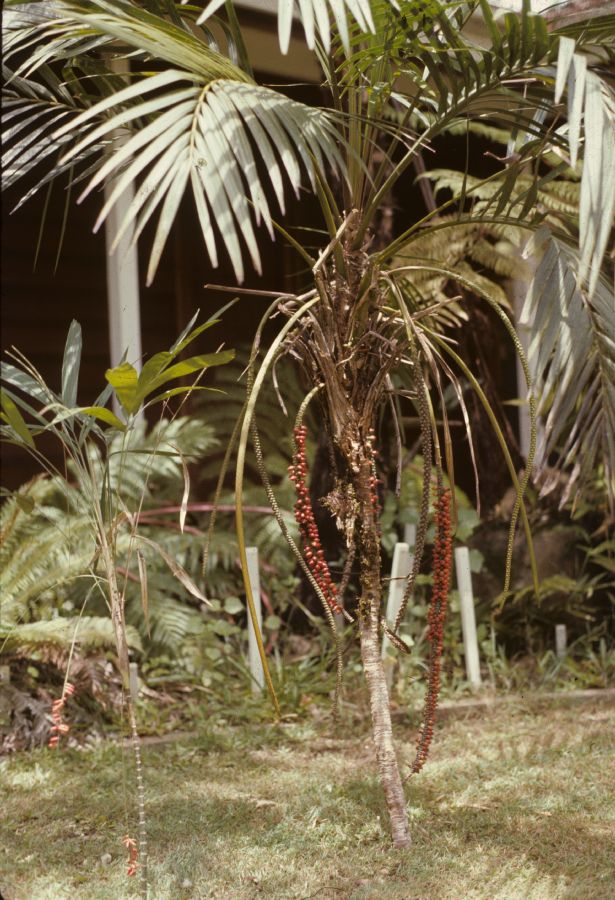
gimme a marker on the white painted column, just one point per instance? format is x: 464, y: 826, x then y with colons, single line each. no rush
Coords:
x: 122, y: 285
x: 256, y: 666
x: 122, y: 273
x: 468, y: 618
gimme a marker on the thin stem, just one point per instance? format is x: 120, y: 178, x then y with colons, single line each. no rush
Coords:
x: 143, y: 852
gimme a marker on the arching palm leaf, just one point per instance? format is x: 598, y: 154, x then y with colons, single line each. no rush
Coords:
x: 205, y: 134
x: 317, y: 18
x: 572, y: 356
x: 204, y: 125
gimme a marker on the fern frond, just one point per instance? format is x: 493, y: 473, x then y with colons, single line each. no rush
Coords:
x: 91, y: 632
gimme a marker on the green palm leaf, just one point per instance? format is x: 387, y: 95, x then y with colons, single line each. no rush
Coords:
x: 317, y: 17
x: 202, y: 126
x: 572, y: 357
x: 591, y: 100
x: 205, y: 136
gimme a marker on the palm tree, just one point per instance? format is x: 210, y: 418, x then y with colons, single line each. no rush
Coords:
x: 377, y: 317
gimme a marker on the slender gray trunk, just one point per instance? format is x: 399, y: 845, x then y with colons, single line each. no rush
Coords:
x: 383, y: 732
x: 369, y: 624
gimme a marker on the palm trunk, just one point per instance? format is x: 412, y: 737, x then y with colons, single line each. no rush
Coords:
x: 369, y: 616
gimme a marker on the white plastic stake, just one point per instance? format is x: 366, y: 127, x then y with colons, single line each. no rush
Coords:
x: 410, y: 535
x: 256, y: 666
x: 400, y: 569
x: 468, y: 619
x: 133, y: 680
x: 561, y: 641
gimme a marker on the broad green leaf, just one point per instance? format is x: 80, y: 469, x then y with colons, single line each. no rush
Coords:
x: 152, y: 369
x: 189, y: 366
x: 124, y: 380
x: 105, y: 415
x: 190, y: 335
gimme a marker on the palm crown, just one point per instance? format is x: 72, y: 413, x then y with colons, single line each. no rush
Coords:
x: 398, y: 75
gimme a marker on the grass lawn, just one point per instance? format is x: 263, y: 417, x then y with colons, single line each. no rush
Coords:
x: 517, y: 802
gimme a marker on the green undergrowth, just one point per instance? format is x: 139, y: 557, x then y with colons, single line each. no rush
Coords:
x: 514, y: 803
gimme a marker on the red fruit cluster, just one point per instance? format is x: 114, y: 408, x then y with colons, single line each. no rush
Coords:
x: 304, y: 514
x: 59, y: 727
x: 442, y: 561
x: 131, y: 846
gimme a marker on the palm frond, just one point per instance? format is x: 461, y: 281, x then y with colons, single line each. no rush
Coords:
x: 447, y: 78
x: 317, y: 17
x: 200, y: 124
x: 572, y: 357
x: 591, y: 103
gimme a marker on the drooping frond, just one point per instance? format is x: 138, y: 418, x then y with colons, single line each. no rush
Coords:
x: 446, y: 78
x: 591, y: 103
x: 572, y: 357
x: 200, y: 125
x: 317, y: 18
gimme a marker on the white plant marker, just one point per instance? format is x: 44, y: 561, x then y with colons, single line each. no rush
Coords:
x: 468, y: 619
x: 410, y: 535
x: 133, y: 681
x: 561, y: 641
x: 256, y: 666
x: 400, y: 569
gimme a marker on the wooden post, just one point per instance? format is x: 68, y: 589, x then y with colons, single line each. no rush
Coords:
x: 468, y: 619
x: 256, y: 666
x: 561, y: 641
x: 400, y: 569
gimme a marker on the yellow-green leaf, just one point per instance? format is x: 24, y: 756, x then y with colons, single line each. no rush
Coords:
x: 124, y: 380
x: 105, y: 415
x: 15, y: 419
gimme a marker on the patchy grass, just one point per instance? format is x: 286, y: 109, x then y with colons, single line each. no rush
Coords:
x: 519, y: 803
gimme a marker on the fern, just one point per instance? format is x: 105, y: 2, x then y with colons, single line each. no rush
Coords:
x: 88, y: 633
x: 46, y: 544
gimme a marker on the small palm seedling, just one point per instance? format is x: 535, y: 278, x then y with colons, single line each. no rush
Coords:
x: 103, y: 494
